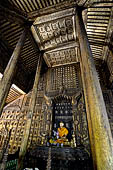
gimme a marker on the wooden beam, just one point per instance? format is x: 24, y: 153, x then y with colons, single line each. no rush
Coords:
x: 98, y: 124
x: 8, y: 75
x: 23, y: 148
x: 52, y: 9
x: 22, y: 77
x: 34, y: 44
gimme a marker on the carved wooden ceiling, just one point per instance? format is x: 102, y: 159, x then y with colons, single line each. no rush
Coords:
x: 99, y: 28
x: 53, y: 22
x: 56, y: 35
x: 58, y: 31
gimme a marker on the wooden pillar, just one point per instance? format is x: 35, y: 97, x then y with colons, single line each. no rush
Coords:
x: 98, y: 124
x: 30, y: 113
x: 6, y: 80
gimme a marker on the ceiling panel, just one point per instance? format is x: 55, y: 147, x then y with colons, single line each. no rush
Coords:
x: 98, y: 19
x: 64, y: 55
x: 57, y: 31
x: 33, y: 5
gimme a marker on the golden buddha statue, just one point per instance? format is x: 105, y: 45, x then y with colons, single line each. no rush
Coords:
x: 62, y: 133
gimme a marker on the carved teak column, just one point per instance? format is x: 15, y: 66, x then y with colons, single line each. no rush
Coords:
x: 6, y: 81
x: 23, y: 147
x: 98, y: 124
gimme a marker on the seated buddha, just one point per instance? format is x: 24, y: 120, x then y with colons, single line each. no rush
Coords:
x: 62, y: 133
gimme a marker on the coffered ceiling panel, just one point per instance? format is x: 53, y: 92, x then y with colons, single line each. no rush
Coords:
x: 62, y: 55
x: 54, y: 29
x: 57, y: 31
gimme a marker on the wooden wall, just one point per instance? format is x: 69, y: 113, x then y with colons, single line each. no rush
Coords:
x: 56, y: 82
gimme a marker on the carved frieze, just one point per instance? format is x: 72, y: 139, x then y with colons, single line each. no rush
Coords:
x: 54, y: 29
x: 57, y: 31
x: 80, y: 120
x: 63, y: 80
x: 62, y: 55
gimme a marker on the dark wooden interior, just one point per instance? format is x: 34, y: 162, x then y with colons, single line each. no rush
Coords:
x: 64, y: 67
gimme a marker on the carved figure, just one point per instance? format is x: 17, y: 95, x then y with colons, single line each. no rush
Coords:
x: 62, y: 132
x: 61, y: 135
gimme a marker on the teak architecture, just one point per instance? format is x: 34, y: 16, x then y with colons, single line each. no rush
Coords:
x: 60, y: 53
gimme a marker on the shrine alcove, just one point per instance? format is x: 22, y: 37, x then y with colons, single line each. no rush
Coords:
x: 62, y: 112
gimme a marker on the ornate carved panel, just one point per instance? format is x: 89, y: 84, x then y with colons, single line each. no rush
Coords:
x: 15, y: 114
x: 57, y: 31
x: 47, y: 117
x: 65, y: 81
x: 80, y: 121
x: 62, y: 79
x: 62, y: 56
x: 54, y: 29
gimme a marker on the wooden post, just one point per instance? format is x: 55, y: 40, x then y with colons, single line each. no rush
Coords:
x: 24, y: 143
x: 6, y: 80
x: 98, y: 124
